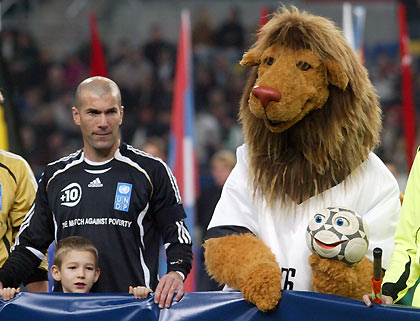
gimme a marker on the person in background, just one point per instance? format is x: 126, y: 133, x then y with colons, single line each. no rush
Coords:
x: 119, y: 197
x: 17, y: 194
x: 155, y: 146
x: 403, y: 270
x: 221, y: 163
x: 401, y: 178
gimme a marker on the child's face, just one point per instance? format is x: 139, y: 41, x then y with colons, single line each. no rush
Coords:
x: 77, y: 273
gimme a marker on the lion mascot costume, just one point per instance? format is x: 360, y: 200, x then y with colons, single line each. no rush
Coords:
x: 310, y: 119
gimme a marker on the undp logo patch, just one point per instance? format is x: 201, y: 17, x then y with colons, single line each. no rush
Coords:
x: 122, y: 197
x: 124, y: 189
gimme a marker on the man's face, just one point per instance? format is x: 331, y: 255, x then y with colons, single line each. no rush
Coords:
x: 77, y: 273
x: 99, y: 118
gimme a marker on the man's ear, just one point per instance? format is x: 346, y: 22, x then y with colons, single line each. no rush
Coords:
x: 55, y: 272
x: 336, y: 74
x: 121, y: 114
x: 250, y: 58
x: 76, y: 115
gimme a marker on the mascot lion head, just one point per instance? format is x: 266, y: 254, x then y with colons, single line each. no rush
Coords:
x: 310, y: 115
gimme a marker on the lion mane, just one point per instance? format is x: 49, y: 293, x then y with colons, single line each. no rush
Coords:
x: 328, y: 144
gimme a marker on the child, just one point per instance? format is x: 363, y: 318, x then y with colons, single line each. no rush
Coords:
x: 75, y: 264
x: 76, y: 267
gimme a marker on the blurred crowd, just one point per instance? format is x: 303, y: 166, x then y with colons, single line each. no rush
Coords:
x: 43, y: 90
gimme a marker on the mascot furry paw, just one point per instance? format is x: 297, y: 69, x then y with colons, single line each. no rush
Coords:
x: 311, y: 120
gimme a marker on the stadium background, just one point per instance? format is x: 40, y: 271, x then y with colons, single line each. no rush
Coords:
x: 45, y: 51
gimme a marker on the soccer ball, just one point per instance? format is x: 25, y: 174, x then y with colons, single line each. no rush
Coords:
x: 338, y: 233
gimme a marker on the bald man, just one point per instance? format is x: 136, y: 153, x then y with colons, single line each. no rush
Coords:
x: 122, y: 199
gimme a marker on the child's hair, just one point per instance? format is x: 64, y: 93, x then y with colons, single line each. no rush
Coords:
x: 70, y: 243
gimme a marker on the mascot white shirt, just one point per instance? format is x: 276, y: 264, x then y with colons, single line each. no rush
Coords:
x: 371, y: 191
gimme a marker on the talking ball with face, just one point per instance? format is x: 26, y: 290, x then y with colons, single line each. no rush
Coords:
x: 338, y: 233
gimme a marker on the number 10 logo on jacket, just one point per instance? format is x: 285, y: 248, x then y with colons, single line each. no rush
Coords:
x: 70, y: 195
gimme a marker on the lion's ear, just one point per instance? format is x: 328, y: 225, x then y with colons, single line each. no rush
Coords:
x: 336, y: 74
x: 250, y: 58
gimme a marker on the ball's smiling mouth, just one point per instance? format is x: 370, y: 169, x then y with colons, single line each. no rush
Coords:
x: 328, y: 246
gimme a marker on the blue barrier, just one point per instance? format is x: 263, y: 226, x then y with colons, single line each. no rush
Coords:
x: 203, y: 306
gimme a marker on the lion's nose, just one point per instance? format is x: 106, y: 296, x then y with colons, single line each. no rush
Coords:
x: 266, y: 94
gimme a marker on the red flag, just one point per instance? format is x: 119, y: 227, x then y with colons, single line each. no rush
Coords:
x: 182, y: 155
x: 97, y: 58
x: 263, y: 17
x: 408, y: 114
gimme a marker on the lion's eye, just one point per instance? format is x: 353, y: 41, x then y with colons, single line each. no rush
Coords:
x: 302, y: 65
x: 269, y: 61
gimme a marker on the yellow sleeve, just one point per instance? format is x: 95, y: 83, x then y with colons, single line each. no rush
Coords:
x: 25, y: 195
x: 404, y: 269
x: 44, y: 263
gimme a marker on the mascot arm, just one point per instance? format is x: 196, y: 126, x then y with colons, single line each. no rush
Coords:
x: 245, y: 263
x: 335, y: 277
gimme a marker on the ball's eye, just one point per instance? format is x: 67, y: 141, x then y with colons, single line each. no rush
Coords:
x: 303, y: 65
x: 269, y: 61
x: 316, y: 222
x: 341, y: 221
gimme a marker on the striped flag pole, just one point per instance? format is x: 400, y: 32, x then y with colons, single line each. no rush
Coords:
x: 354, y: 32
x: 348, y: 24
x: 358, y: 31
x: 408, y: 114
x: 182, y: 157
